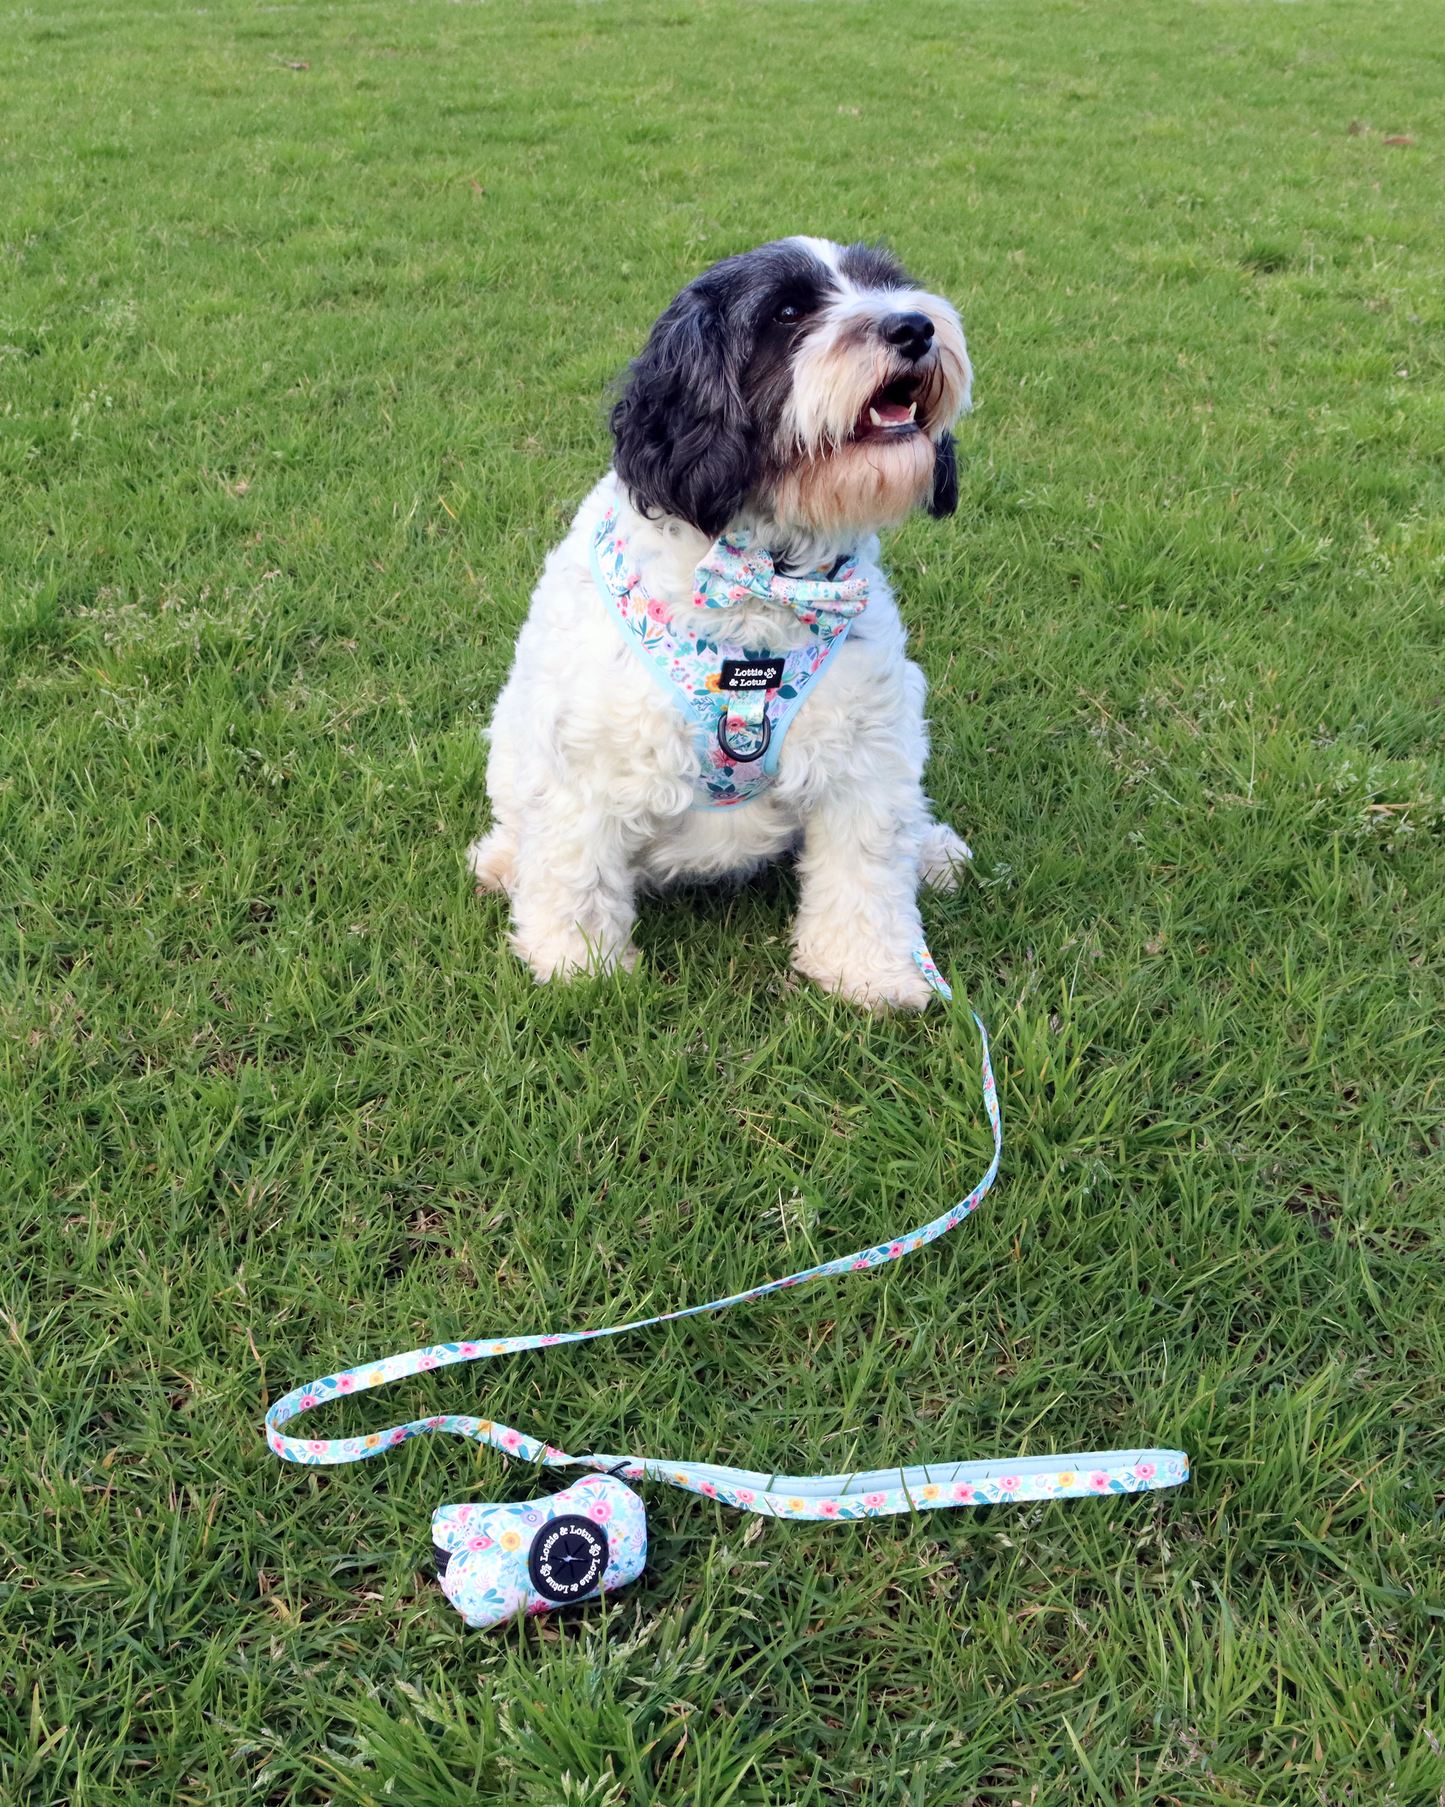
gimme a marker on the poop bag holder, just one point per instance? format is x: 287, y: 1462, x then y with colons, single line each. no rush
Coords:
x: 495, y: 1561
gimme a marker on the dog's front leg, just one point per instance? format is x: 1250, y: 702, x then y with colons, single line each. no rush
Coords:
x: 573, y: 890
x: 858, y: 917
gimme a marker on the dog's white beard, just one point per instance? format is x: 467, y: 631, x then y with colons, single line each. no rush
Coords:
x: 857, y: 487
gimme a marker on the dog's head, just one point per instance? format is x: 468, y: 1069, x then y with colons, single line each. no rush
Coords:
x: 809, y: 381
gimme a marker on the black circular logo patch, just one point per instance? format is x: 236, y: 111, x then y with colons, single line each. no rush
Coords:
x: 567, y: 1559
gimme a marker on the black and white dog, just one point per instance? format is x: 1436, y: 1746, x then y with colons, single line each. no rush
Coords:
x: 713, y: 671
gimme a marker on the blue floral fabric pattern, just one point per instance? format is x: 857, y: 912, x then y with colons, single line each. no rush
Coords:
x: 928, y: 967
x: 687, y: 661
x: 735, y: 570
x: 487, y: 1547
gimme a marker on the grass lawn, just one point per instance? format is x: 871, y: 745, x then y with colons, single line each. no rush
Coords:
x: 306, y: 317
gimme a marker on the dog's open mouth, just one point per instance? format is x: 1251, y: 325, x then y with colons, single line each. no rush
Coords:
x: 892, y: 411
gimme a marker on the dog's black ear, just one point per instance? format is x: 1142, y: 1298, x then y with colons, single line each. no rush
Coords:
x: 945, y: 479
x: 685, y: 444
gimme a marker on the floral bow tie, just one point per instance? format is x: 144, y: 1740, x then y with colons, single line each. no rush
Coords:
x: 735, y: 571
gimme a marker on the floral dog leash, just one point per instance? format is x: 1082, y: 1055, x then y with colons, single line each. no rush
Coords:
x: 495, y: 1560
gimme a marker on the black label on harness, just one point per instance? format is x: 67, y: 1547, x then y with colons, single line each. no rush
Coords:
x: 751, y: 674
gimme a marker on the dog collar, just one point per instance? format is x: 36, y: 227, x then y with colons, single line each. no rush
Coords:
x: 740, y: 700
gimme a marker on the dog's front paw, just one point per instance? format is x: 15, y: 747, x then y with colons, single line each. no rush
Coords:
x: 573, y: 956
x: 882, y: 984
x: 942, y: 857
x: 493, y: 860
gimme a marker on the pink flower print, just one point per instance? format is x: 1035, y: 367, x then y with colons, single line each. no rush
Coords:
x: 600, y: 1510
x: 426, y: 1361
x: 1009, y: 1483
x: 1099, y: 1483
x: 708, y: 1488
x: 305, y: 1403
x: 512, y: 1439
x: 398, y: 1436
x: 316, y: 1449
x: 347, y: 1383
x: 861, y: 1262
x: 1145, y: 1471
x: 875, y: 1500
x: 480, y: 1542
x: 895, y: 1249
x: 963, y: 1493
x: 829, y: 1508
x: 658, y: 611
x: 469, y: 1348
x: 745, y: 1498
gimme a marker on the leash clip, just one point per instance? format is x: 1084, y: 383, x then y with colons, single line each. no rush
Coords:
x: 746, y: 685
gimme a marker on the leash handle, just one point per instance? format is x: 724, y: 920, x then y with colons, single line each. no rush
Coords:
x: 876, y: 1493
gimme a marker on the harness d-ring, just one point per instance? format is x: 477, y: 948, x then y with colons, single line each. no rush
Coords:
x: 732, y: 753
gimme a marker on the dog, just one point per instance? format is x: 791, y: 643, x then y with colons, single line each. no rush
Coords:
x: 789, y: 404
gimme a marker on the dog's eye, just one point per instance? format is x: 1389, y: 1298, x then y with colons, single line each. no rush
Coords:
x: 788, y: 314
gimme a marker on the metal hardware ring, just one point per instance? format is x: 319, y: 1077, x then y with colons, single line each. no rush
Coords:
x: 743, y: 758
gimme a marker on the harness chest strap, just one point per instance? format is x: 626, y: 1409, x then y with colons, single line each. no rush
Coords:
x: 740, y: 700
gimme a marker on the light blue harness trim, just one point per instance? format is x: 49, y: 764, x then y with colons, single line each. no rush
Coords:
x: 677, y: 661
x: 703, y: 711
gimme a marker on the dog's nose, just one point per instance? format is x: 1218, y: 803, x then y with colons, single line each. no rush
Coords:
x: 911, y: 333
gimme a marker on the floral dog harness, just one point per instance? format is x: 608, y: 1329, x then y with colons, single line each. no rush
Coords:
x: 740, y: 699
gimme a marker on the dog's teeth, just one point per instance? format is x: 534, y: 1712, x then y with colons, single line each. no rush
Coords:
x: 875, y: 417
x: 913, y: 410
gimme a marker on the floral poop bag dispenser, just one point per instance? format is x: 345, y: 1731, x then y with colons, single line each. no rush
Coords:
x: 494, y: 1561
